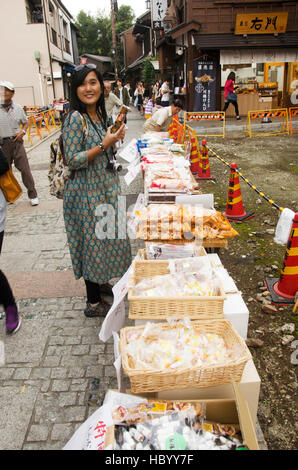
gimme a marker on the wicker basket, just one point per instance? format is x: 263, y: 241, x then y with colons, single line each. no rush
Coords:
x: 150, y: 268
x: 160, y: 308
x: 204, y: 376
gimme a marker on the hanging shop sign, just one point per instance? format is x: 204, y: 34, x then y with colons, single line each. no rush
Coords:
x: 158, y: 12
x: 205, y: 85
x: 261, y: 23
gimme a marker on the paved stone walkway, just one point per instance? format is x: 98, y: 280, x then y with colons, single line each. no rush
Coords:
x: 56, y: 369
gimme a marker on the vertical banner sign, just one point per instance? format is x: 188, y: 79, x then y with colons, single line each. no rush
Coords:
x: 158, y: 11
x: 205, y: 85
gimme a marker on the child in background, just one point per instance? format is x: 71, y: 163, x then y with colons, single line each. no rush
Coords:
x: 148, y: 108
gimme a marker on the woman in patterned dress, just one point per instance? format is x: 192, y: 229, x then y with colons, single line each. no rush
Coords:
x: 91, y: 194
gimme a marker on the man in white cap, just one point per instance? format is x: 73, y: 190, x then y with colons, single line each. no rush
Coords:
x: 13, y: 127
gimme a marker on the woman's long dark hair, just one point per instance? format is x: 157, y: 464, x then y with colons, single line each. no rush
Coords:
x: 77, y: 79
x: 231, y: 76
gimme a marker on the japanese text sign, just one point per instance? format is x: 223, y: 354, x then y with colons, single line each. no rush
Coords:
x: 158, y: 11
x: 261, y: 23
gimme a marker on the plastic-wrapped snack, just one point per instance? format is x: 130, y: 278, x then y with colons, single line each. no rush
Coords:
x: 222, y: 436
x: 159, y: 349
x: 177, y: 285
x: 164, y: 251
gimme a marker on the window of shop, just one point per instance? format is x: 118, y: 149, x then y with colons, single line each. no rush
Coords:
x: 34, y: 11
x: 264, y: 78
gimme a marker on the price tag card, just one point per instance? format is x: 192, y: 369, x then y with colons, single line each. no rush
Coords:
x: 132, y: 173
x: 115, y: 317
x: 130, y: 152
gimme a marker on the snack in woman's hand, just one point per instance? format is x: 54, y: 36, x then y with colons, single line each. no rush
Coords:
x: 120, y: 119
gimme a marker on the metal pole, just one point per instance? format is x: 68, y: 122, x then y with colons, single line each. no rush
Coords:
x: 48, y: 44
x: 114, y: 37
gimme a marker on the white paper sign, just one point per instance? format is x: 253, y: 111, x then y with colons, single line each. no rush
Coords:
x: 115, y: 318
x: 130, y: 152
x: 133, y: 220
x: 91, y: 434
x: 132, y: 173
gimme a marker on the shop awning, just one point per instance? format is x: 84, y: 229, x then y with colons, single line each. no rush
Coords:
x: 137, y: 62
x: 234, y: 41
x: 184, y: 28
x: 259, y: 56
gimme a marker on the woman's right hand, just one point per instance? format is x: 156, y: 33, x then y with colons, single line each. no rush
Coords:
x: 110, y: 139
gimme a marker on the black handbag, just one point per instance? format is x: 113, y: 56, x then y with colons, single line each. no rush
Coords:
x: 4, y: 165
x: 232, y: 96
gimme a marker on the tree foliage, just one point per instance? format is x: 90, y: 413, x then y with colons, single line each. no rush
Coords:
x: 95, y: 32
x: 148, y: 72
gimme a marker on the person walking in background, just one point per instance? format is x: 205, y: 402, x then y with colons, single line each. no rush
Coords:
x: 139, y: 94
x: 128, y: 87
x: 11, y: 134
x: 156, y: 91
x: 112, y: 103
x: 96, y: 256
x: 165, y: 93
x: 230, y: 94
x: 12, y: 318
x: 121, y: 92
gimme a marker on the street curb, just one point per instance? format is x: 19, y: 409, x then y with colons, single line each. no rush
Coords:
x: 29, y: 149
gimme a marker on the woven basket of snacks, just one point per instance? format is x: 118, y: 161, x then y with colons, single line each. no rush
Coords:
x: 149, y: 268
x: 176, y: 224
x: 175, y: 288
x: 161, y: 356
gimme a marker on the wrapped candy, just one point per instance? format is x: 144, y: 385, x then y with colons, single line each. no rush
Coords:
x: 179, y: 347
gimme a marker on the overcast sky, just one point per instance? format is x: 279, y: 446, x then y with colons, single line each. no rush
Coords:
x: 92, y: 6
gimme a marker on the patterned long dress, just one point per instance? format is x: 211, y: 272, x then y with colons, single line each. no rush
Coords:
x: 94, y: 257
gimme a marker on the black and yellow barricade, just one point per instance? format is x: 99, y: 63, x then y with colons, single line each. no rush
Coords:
x: 208, y: 119
x: 46, y: 121
x: 30, y: 110
x: 34, y: 127
x: 293, y: 113
x: 266, y: 118
x: 52, y: 119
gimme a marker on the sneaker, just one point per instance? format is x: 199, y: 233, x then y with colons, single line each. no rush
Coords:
x: 238, y: 118
x: 106, y: 289
x: 34, y: 201
x: 13, y: 320
x: 97, y: 310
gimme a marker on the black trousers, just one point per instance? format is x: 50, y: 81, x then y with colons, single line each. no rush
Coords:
x: 235, y: 104
x: 93, y: 292
x: 6, y: 295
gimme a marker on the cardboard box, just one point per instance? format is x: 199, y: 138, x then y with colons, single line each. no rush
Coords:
x: 236, y: 311
x: 233, y: 411
x: 249, y: 387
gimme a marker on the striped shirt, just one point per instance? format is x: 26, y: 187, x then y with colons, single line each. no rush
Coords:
x: 10, y: 120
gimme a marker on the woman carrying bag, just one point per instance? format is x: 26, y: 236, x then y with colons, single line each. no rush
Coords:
x: 230, y: 94
x: 13, y: 321
x: 96, y: 256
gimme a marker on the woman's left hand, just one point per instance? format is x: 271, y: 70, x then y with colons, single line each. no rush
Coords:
x: 110, y: 139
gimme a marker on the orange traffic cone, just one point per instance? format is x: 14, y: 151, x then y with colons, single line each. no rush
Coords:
x: 194, y: 157
x: 234, y: 210
x: 283, y: 290
x: 204, y: 167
